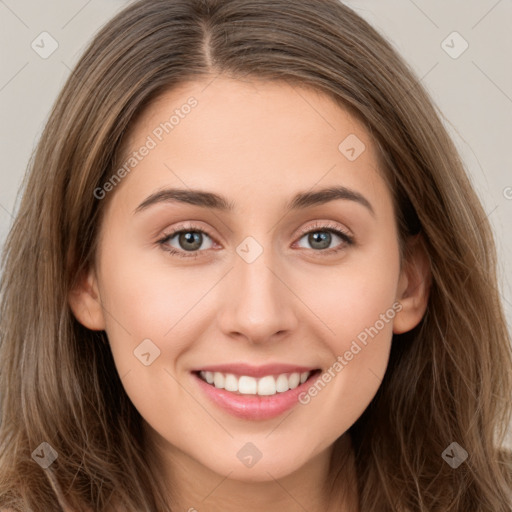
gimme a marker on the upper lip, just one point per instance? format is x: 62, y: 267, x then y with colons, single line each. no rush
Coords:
x: 256, y: 371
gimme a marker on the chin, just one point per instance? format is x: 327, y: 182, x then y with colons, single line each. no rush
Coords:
x: 266, y: 469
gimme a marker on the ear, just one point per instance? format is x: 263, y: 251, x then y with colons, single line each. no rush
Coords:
x: 413, y: 286
x: 85, y: 302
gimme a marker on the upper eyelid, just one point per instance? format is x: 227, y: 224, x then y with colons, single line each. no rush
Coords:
x: 189, y: 227
x: 324, y: 226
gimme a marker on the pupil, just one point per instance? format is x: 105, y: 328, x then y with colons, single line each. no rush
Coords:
x: 321, y: 237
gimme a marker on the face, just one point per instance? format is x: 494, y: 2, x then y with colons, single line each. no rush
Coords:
x: 224, y: 258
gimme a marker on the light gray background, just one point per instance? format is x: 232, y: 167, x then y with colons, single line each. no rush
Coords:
x: 473, y: 91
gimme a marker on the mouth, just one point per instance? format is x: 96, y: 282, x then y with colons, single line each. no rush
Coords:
x: 267, y: 385
x: 252, y: 393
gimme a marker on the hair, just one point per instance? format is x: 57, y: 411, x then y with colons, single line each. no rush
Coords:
x: 448, y: 380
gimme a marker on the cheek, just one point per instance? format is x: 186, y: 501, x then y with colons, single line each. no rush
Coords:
x: 147, y: 297
x: 357, y: 304
x: 150, y: 308
x: 355, y: 297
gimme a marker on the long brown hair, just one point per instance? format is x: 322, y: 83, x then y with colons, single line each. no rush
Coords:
x: 448, y: 380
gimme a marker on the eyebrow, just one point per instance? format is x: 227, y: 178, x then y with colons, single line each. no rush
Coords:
x: 211, y: 200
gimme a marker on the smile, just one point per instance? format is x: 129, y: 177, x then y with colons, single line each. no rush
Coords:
x: 247, y: 385
x: 255, y: 393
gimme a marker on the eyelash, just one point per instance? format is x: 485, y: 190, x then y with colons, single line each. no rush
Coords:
x: 317, y: 227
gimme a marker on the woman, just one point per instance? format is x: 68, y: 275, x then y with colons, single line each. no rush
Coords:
x: 249, y: 271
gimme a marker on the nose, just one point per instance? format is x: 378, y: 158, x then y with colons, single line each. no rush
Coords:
x: 259, y: 305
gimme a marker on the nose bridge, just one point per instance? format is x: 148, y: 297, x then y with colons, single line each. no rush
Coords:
x: 258, y: 304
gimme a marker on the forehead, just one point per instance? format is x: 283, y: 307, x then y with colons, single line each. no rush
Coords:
x: 229, y: 135
x: 226, y: 112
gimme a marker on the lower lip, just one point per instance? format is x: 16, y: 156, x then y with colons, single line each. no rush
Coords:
x: 255, y: 407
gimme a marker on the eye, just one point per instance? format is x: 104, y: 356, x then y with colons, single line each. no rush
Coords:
x: 186, y: 240
x: 320, y: 236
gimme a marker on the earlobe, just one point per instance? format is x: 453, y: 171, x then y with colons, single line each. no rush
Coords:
x: 85, y: 302
x: 413, y: 286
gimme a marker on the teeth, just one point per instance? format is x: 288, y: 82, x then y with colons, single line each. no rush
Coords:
x: 231, y: 383
x: 245, y: 385
x: 282, y: 384
x: 267, y: 386
x: 294, y: 380
x: 218, y: 380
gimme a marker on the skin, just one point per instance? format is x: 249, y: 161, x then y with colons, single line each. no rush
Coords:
x: 258, y: 144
